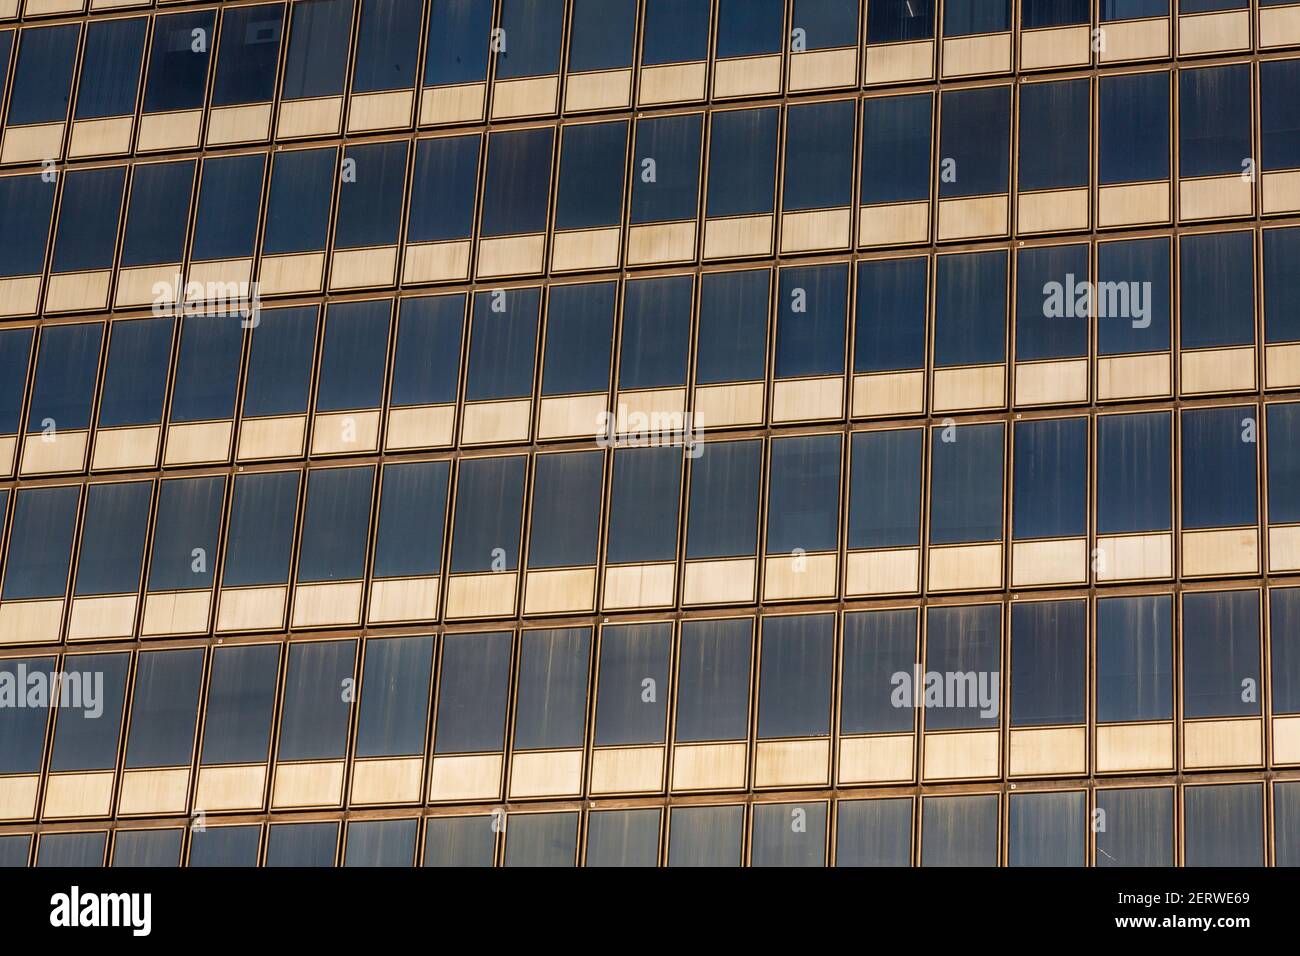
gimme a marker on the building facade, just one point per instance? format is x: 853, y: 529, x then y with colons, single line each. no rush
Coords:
x: 650, y: 432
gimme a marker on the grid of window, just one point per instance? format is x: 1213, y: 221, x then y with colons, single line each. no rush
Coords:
x: 438, y: 432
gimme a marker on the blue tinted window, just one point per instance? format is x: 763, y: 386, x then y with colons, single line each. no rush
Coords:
x: 110, y: 68
x: 72, y: 849
x: 260, y: 537
x: 1134, y: 659
x: 381, y: 843
x: 873, y: 832
x: 960, y: 831
x: 970, y: 309
x: 796, y: 671
x: 207, y: 368
x: 225, y: 846
x: 602, y: 34
x: 229, y: 202
x: 676, y: 31
x: 579, y: 332
x: 1281, y: 285
x: 1283, y: 463
x: 43, y: 75
x: 592, y: 165
x: 1052, y: 302
x: 812, y: 308
x: 164, y: 708
x: 1218, y: 455
x: 86, y: 738
x: 240, y: 704
x: 566, y: 510
x: 965, y: 640
x: 26, y: 203
x: 1213, y: 120
x: 804, y: 494
x: 532, y: 29
x: 819, y: 155
x: 189, y: 518
x: 1139, y: 825
x: 1223, y: 825
x: 965, y: 17
x: 643, y: 506
x: 629, y: 655
x: 1053, y: 13
x: 518, y: 180
x: 411, y: 519
x: 877, y: 645
x: 67, y: 358
x: 40, y: 542
x: 15, y: 355
x: 733, y: 326
x: 975, y: 130
x: 1133, y: 301
x: 314, y: 718
x: 713, y: 680
x: 178, y: 61
x: 1132, y: 10
x: 1133, y: 128
x: 1049, y: 663
x: 426, y: 362
x: 442, y: 193
x: 1133, y: 473
x: 1055, y: 129
x: 395, y: 697
x: 1284, y: 648
x: 1217, y: 290
x: 722, y: 520
x: 706, y: 836
x: 551, y: 707
x: 319, y: 38
x: 1051, y: 478
x: 749, y: 27
x: 370, y: 205
x: 354, y: 356
x: 302, y: 844
x: 147, y: 847
x: 656, y: 332
x: 474, y: 686
x: 298, y: 210
x: 966, y: 484
x: 388, y: 45
x: 87, y: 240
x: 249, y: 53
x: 1221, y: 648
x: 459, y: 41
x: 23, y: 742
x: 279, y: 366
x: 336, y: 524
x: 502, y: 344
x: 895, y: 148
x: 1048, y: 829
x: 666, y: 170
x: 885, y: 489
x: 489, y: 499
x: 891, y: 21
x: 158, y: 213
x: 1279, y: 114
x: 135, y: 382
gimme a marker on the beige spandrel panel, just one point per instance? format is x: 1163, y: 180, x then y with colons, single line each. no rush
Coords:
x: 363, y: 268
x: 148, y: 285
x: 882, y: 571
x: 572, y: 416
x: 153, y: 791
x: 471, y: 596
x: 32, y: 144
x: 229, y: 125
x: 78, y: 795
x: 496, y: 423
x: 19, y: 295
x: 969, y: 388
x: 232, y: 787
x: 894, y: 224
x: 1134, y: 204
x: 1286, y: 740
x: 738, y: 237
x: 1215, y: 197
x: 318, y: 784
x: 1223, y: 32
x: 282, y: 436
x: 371, y: 112
x: 800, y: 577
x: 1146, y: 375
x: 509, y: 256
x: 1059, y: 382
x: 720, y: 581
x: 709, y: 766
x: 888, y: 394
x: 728, y: 405
x: 1135, y: 748
x: 175, y: 613
x: 436, y: 261
x: 110, y: 136
x: 816, y: 230
x: 1135, y: 557
x: 586, y: 250
x: 965, y: 567
x: 1048, y: 751
x: 456, y: 778
x: 1281, y: 191
x: 524, y: 97
x: 978, y: 55
x: 215, y: 280
x: 163, y: 131
x: 8, y: 9
x: 672, y: 83
x: 329, y: 604
x: 103, y: 617
x: 1207, y: 371
x: 1282, y: 366
x: 1126, y: 40
x: 634, y: 586
x: 116, y: 4
x: 603, y: 90
x: 655, y: 411
x: 251, y: 609
x: 346, y: 433
x: 961, y: 755
x: 122, y: 449
x: 1049, y: 562
x: 808, y: 399
x: 910, y: 62
x: 296, y: 274
x: 628, y: 770
x: 823, y: 69
x: 1283, y: 548
x: 198, y: 443
x: 461, y: 103
x: 1223, y: 744
x: 747, y: 76
x: 548, y: 773
x: 55, y: 452
x: 78, y: 291
x: 322, y: 116
x: 403, y: 600
x: 661, y: 243
x: 8, y: 455
x: 420, y: 426
x: 31, y: 622
x: 1056, y: 48
x: 1059, y: 210
x: 18, y: 793
x: 1279, y: 26
x: 1223, y: 551
x: 560, y: 591
x: 975, y: 217
x: 48, y: 8
x: 792, y: 763
x: 386, y: 781
x: 877, y: 758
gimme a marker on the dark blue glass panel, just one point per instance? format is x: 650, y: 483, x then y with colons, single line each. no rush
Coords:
x: 395, y: 697
x: 742, y: 162
x: 1054, y: 13
x: 966, y: 17
x: 280, y: 364
x: 1223, y: 825
x: 1217, y: 290
x: 411, y: 519
x: 896, y: 148
x: 502, y: 344
x: 602, y: 35
x: 184, y: 551
x: 110, y: 68
x: 804, y: 495
x: 666, y: 170
x: 750, y: 27
x: 517, y: 187
x: 656, y: 332
x: 249, y: 54
x: 1049, y: 663
x: 302, y: 844
x: 1279, y: 109
x: 811, y: 320
x: 489, y: 501
x: 796, y: 672
x: 158, y: 213
x: 66, y: 361
x: 1281, y: 285
x: 370, y: 206
x: 713, y: 680
x: 381, y: 843
x: 965, y: 641
x: 178, y: 61
x: 1219, y: 474
x: 1221, y: 651
x: 240, y: 704
x: 873, y: 832
x: 225, y: 846
x: 26, y: 204
x: 1132, y: 303
x: 1048, y: 829
x: 877, y: 646
x: 86, y: 738
x: 966, y: 484
x: 229, y: 202
x: 15, y: 356
x: 676, y: 31
x: 819, y: 155
x: 1051, y: 479
x: 592, y: 167
x: 426, y: 363
x: 892, y: 21
x: 336, y: 524
x: 298, y: 210
x: 644, y: 505
x: 40, y: 542
x: 1133, y: 128
x: 354, y: 356
x: 1055, y: 130
x: 551, y: 708
x: 1283, y: 463
x: 260, y: 536
x: 722, y: 519
x: 1132, y: 10
x: 1135, y: 659
x: 974, y: 138
x: 442, y: 193
x: 1134, y: 455
x: 135, y: 382
x: 631, y: 654
x: 531, y: 30
x: 885, y: 489
x: 1052, y: 302
x: 88, y: 239
x: 579, y: 335
x: 320, y: 33
x: 1213, y: 120
x: 314, y: 719
x: 474, y: 688
x: 388, y: 45
x: 207, y: 368
x: 733, y: 326
x: 565, y: 527
x: 164, y: 709
x: 459, y: 42
x: 42, y: 82
x: 970, y: 309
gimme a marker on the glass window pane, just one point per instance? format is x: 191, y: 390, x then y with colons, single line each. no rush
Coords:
x: 370, y: 200
x: 879, y: 646
x: 86, y: 241
x: 280, y: 362
x: 88, y: 724
x: 959, y: 831
x: 633, y: 682
x: 158, y: 213
x: 1055, y: 129
x: 533, y: 29
x: 225, y: 846
x: 72, y: 849
x: 27, y: 686
x: 42, y: 81
x: 1135, y: 827
x: 1279, y: 111
x: 733, y: 326
x: 789, y: 834
x: 885, y: 489
x: 207, y: 369
x: 298, y: 209
x: 1134, y: 473
x: 666, y: 166
x: 1284, y: 648
x: 241, y: 700
x: 1047, y: 829
x: 749, y: 27
x: 229, y: 207
x: 502, y: 344
x: 542, y: 839
x: 317, y: 705
x: 705, y: 836
x: 742, y: 161
x: 1053, y: 302
x: 1133, y: 128
x: 474, y: 683
x: 489, y: 502
x: 896, y: 148
x: 656, y: 332
x: 260, y: 536
x: 320, y: 34
x: 713, y: 681
x: 1049, y: 663
x: 395, y: 697
x: 966, y: 17
x: 601, y: 38
x: 426, y: 362
x: 874, y: 832
x: 811, y: 320
x: 551, y: 710
x: 388, y: 45
x: 593, y: 161
x: 459, y: 41
x: 970, y: 309
x: 459, y: 841
x: 1281, y: 285
x: 722, y: 521
x: 891, y: 21
x: 891, y: 311
x: 676, y: 31
x: 14, y: 850
x: 165, y: 708
x: 974, y: 137
x: 1134, y: 659
x: 248, y: 55
x: 147, y: 847
x: 579, y: 333
x: 643, y: 509
x: 565, y: 529
x: 1223, y: 825
x: 112, y: 538
x: 380, y: 843
x: 1221, y: 652
x: 40, y: 542
x: 1218, y: 467
x: 15, y: 354
x: 135, y: 381
x: 354, y: 356
x: 963, y: 646
x: 1217, y: 290
x: 1051, y: 478
x: 184, y: 548
x: 178, y: 62
x: 412, y: 513
x: 794, y: 685
x: 1213, y: 120
x: 110, y: 68
x: 623, y: 837
x: 804, y: 495
x: 26, y: 206
x: 966, y: 484
x: 302, y: 844
x: 336, y: 524
x: 819, y: 155
x: 443, y: 188
x: 1053, y: 13
x: 1286, y: 824
x: 516, y: 189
